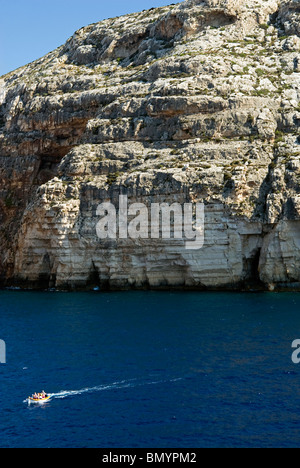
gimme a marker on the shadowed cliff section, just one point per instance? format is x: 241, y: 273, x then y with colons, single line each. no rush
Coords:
x: 195, y: 102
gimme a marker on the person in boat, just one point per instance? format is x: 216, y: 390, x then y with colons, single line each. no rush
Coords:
x: 39, y: 396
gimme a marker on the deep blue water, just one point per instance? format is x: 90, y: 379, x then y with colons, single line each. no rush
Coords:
x: 150, y: 369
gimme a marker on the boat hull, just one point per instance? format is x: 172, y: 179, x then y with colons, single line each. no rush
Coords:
x: 39, y: 401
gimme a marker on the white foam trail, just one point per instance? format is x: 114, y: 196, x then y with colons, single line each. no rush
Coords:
x: 100, y: 388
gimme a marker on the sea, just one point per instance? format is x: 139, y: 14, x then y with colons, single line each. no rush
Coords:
x: 149, y: 369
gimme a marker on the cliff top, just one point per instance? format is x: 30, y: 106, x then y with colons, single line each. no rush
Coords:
x: 198, y: 101
x: 152, y: 33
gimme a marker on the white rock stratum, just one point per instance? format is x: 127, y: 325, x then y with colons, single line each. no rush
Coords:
x: 195, y: 102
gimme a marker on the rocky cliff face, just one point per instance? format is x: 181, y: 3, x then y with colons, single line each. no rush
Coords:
x: 195, y: 102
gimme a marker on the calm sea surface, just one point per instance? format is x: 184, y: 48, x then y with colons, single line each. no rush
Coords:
x: 150, y: 369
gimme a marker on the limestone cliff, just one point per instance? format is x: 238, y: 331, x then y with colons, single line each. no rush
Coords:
x: 195, y: 102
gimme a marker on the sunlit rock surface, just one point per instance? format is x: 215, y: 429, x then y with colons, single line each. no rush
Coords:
x: 195, y: 102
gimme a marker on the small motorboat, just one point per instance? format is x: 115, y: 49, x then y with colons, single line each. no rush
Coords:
x: 39, y: 399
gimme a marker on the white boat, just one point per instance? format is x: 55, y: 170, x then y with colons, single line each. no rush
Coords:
x: 38, y: 400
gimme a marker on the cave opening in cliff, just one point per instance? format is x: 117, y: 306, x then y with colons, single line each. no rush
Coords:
x: 49, y: 163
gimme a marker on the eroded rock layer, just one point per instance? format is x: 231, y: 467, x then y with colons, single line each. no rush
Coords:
x: 195, y: 102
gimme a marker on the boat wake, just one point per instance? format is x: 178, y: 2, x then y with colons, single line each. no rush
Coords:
x: 100, y: 388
